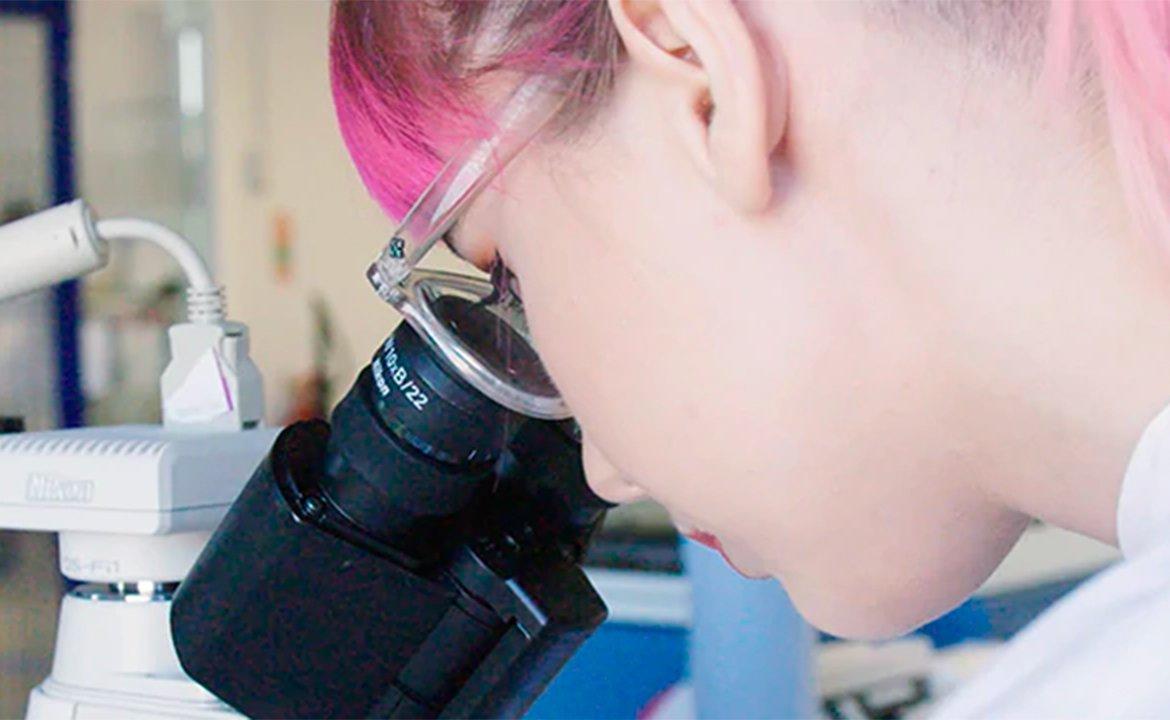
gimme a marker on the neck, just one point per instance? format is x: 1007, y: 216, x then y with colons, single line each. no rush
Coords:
x: 1090, y: 417
x: 1054, y: 306
x: 1095, y: 369
x: 1010, y: 236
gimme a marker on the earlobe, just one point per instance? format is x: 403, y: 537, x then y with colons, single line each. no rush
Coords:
x: 729, y: 94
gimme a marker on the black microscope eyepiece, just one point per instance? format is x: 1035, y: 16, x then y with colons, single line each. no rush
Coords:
x: 412, y: 447
x: 422, y: 400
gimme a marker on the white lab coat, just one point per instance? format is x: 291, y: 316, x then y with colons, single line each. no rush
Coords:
x: 1103, y: 651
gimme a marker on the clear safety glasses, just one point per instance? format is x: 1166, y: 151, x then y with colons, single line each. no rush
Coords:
x: 476, y: 325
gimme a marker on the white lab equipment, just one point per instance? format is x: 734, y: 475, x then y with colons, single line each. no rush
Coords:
x: 133, y: 505
x: 49, y: 247
x: 211, y: 381
x: 36, y: 252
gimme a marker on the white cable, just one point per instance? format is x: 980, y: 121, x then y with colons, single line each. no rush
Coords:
x: 205, y: 301
x: 178, y: 246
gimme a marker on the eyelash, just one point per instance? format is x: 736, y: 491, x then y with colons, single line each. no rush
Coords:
x: 505, y: 283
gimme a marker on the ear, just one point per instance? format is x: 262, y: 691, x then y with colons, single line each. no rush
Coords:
x: 726, y: 94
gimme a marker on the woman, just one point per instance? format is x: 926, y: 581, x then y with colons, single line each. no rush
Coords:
x: 856, y: 290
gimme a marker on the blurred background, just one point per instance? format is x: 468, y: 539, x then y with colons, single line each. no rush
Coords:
x: 215, y: 119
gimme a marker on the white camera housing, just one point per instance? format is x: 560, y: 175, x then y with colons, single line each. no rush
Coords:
x: 132, y: 503
x: 134, y: 506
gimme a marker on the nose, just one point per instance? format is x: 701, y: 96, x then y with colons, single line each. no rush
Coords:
x: 605, y: 479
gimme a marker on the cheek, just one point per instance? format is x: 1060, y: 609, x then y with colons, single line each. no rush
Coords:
x: 658, y: 361
x: 781, y: 393
x: 672, y: 358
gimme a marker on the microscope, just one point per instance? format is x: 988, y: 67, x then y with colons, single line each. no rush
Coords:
x: 389, y: 563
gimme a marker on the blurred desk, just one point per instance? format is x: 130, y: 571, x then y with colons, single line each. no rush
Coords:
x: 1046, y: 555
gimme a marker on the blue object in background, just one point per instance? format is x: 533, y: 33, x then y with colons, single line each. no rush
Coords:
x: 750, y: 652
x: 615, y: 673
x: 998, y: 616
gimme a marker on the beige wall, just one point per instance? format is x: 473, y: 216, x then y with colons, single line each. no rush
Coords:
x: 24, y: 134
x: 276, y: 149
x: 125, y: 116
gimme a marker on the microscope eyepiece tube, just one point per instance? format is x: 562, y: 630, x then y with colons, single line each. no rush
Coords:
x: 411, y: 448
x: 49, y: 247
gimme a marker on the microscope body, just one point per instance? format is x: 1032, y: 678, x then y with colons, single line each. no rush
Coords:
x: 287, y: 607
x: 408, y: 560
x: 322, y: 622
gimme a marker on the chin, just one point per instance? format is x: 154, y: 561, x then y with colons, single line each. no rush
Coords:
x: 853, y: 616
x: 867, y: 627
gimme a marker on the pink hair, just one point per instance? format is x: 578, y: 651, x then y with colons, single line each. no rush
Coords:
x: 403, y: 74
x: 1131, y: 48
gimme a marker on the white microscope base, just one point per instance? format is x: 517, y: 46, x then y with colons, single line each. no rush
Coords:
x: 53, y: 701
x: 115, y: 659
